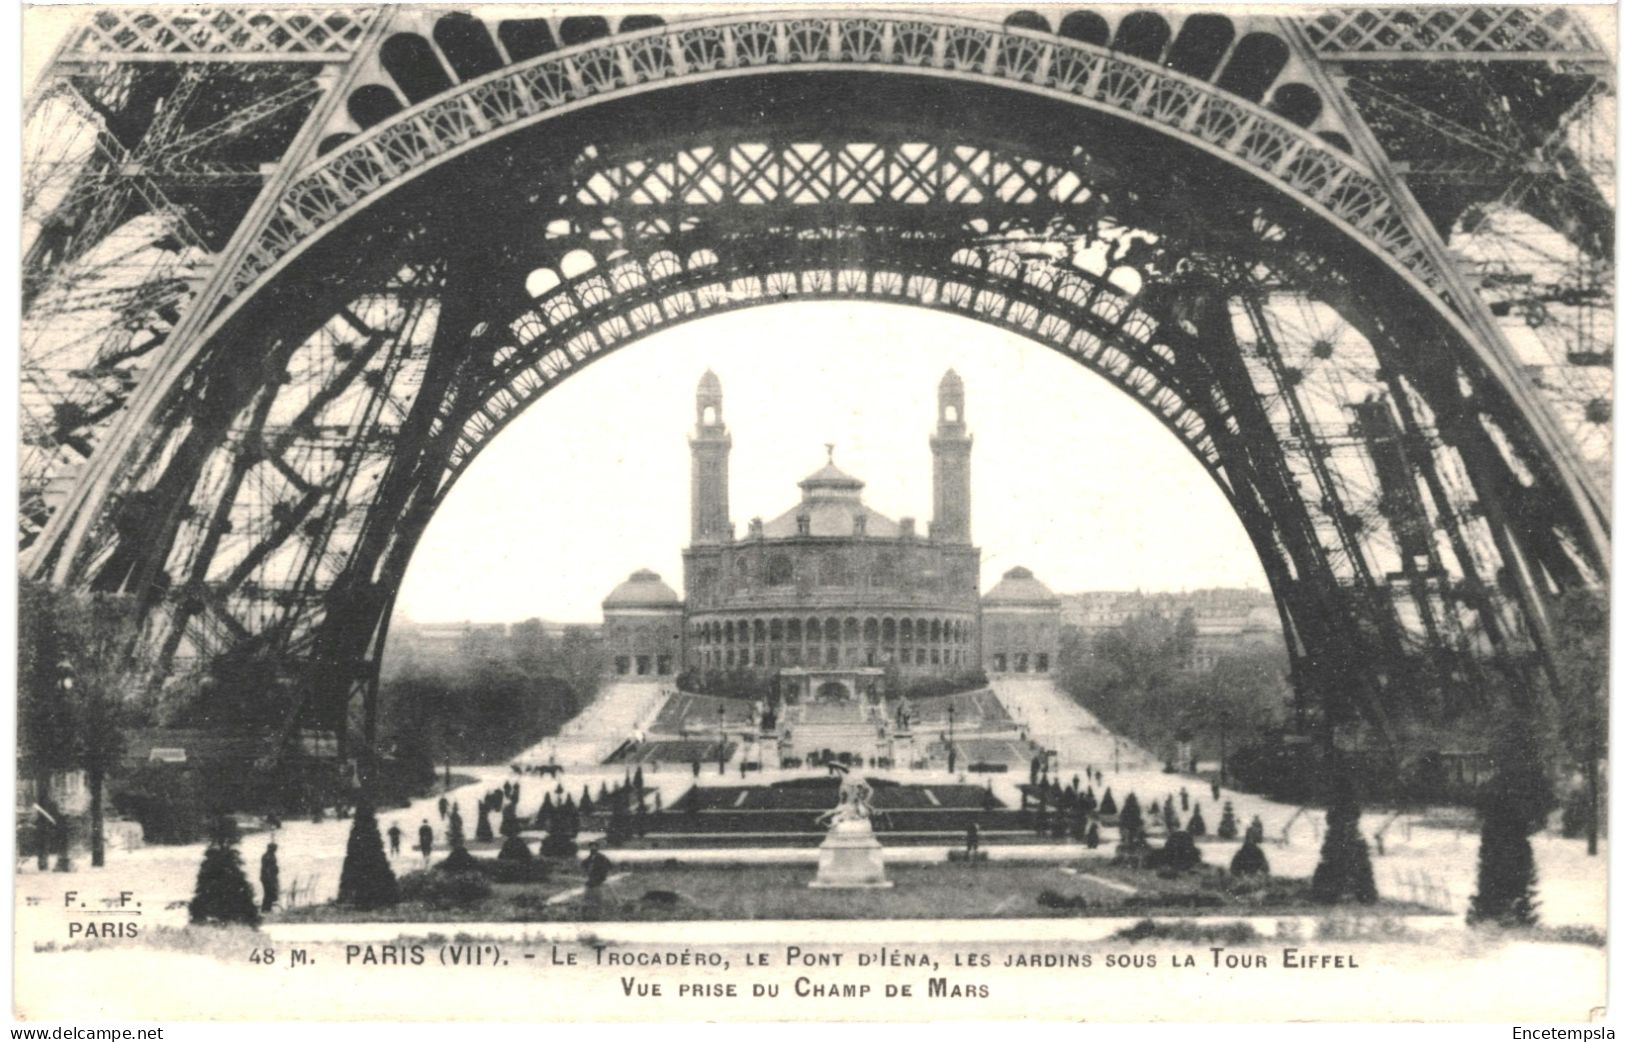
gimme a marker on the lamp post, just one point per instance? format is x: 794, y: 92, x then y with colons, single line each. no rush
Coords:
x: 1224, y: 723
x: 722, y: 738
x: 952, y: 755
x: 64, y: 685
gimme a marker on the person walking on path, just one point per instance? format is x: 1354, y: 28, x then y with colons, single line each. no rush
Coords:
x: 444, y: 804
x: 394, y: 839
x: 973, y: 841
x: 425, y: 841
x: 270, y: 878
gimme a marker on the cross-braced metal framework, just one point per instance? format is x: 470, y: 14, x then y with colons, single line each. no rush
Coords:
x: 290, y: 270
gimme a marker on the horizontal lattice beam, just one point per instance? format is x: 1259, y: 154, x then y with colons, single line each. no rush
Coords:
x: 1452, y: 33
x: 234, y: 34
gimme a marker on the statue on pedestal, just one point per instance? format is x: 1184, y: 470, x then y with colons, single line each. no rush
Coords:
x: 850, y: 856
x: 853, y: 806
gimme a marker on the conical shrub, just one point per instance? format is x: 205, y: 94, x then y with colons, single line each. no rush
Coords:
x: 1250, y: 860
x: 1514, y: 807
x: 1344, y: 872
x: 222, y: 895
x: 366, y: 881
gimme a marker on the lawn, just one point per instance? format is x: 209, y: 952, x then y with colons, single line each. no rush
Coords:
x: 996, y: 890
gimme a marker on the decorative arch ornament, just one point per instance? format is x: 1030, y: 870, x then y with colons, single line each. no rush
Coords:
x: 340, y: 504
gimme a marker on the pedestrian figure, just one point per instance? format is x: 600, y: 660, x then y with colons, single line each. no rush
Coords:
x: 394, y: 839
x: 973, y: 841
x: 444, y: 804
x: 1215, y: 790
x: 425, y: 841
x: 1184, y: 800
x: 270, y: 878
x: 696, y: 768
x: 597, y: 867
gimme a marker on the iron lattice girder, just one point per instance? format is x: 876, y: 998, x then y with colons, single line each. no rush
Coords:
x: 294, y: 611
x: 219, y: 34
x: 168, y: 159
x: 486, y: 418
x: 1192, y: 110
x: 799, y: 173
x: 1403, y: 33
x: 1279, y: 153
x: 1080, y: 314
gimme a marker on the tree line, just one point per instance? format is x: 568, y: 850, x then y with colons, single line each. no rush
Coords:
x: 1133, y: 678
x: 489, y: 698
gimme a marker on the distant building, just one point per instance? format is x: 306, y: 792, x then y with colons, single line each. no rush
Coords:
x: 643, y: 627
x: 1227, y: 620
x: 447, y: 645
x: 829, y: 585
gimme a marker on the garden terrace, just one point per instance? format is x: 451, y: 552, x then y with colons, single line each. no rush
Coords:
x: 683, y: 713
x: 788, y: 814
x: 971, y: 708
x: 1005, y: 751
x: 674, y: 751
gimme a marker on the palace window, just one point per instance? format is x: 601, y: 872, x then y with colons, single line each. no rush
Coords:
x: 643, y: 665
x: 999, y: 663
x: 1043, y: 662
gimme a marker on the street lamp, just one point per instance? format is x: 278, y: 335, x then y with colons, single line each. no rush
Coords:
x: 64, y: 685
x: 952, y: 756
x: 722, y: 738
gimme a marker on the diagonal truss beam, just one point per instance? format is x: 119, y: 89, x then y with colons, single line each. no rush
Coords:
x: 1593, y: 503
x: 179, y: 349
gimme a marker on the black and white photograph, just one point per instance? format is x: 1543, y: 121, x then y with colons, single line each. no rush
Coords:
x: 814, y: 513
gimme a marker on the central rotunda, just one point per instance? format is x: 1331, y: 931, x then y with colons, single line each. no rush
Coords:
x: 830, y: 597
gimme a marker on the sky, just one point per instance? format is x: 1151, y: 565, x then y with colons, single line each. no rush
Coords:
x: 1069, y: 476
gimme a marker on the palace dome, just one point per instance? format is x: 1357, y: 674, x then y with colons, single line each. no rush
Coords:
x: 642, y: 589
x: 832, y: 503
x: 1019, y: 589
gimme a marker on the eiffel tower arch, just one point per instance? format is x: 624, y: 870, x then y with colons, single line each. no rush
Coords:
x: 288, y: 271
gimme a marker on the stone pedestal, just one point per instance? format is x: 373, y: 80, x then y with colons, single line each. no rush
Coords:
x: 850, y: 858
